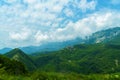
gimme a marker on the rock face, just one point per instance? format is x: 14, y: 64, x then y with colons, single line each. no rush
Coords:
x: 105, y: 36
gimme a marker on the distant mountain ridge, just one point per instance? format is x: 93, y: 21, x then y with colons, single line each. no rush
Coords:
x: 52, y: 46
x: 4, y: 50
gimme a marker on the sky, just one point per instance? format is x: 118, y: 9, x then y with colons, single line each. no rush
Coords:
x: 34, y: 22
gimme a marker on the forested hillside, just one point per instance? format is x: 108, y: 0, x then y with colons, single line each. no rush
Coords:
x: 82, y: 59
x: 19, y: 55
x: 11, y: 67
x: 83, y: 62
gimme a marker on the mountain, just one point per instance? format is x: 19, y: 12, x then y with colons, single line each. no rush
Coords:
x: 19, y: 55
x: 4, y: 50
x: 111, y: 35
x: 51, y: 46
x: 83, y: 58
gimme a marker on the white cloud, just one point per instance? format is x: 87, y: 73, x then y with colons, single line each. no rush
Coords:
x: 22, y: 35
x: 72, y: 30
x: 84, y: 5
x: 41, y: 37
x: 97, y: 21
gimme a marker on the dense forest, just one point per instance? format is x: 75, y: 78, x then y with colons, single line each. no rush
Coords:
x: 84, y: 62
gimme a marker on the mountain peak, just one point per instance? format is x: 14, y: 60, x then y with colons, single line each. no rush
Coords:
x: 15, y: 51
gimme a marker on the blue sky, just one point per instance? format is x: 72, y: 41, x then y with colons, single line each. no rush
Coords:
x: 34, y: 22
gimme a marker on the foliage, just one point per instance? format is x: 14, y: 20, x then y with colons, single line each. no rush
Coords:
x: 82, y: 59
x: 18, y: 55
x: 11, y: 66
x: 79, y: 62
x: 61, y: 76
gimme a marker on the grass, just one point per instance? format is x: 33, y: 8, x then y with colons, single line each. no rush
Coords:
x: 61, y: 76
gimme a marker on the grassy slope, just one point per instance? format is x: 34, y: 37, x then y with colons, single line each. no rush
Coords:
x: 61, y: 76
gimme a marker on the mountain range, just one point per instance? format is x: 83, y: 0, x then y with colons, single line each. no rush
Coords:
x: 81, y: 58
x: 4, y: 50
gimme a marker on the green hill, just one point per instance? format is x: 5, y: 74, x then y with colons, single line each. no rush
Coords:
x: 18, y: 55
x: 11, y: 66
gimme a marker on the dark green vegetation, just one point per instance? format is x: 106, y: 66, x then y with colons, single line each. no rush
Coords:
x: 61, y: 76
x: 95, y: 61
x: 98, y: 60
x: 82, y: 59
x: 11, y: 66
